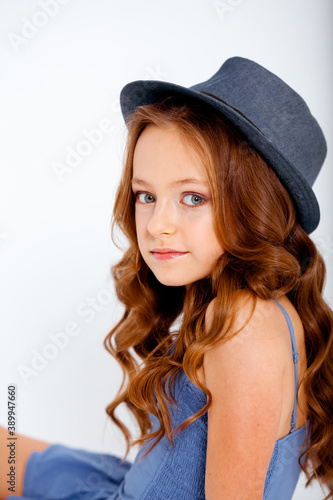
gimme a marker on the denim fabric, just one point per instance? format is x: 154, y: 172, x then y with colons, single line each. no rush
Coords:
x: 61, y: 473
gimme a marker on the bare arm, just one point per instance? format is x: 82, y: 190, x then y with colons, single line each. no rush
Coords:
x: 23, y: 447
x: 244, y: 376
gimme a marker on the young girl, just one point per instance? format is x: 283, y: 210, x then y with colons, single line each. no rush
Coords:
x: 216, y: 203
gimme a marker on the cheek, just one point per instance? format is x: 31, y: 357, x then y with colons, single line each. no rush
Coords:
x: 213, y: 246
x: 138, y: 220
x: 217, y: 250
x: 207, y: 240
x: 201, y: 228
x: 141, y: 227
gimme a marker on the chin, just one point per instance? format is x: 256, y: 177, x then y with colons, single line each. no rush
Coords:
x: 169, y: 281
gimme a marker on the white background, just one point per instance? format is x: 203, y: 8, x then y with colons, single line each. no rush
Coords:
x: 60, y: 77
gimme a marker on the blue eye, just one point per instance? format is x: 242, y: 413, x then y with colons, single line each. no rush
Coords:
x: 145, y: 198
x: 193, y: 200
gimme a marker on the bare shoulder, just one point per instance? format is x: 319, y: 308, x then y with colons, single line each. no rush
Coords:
x: 259, y: 322
x: 262, y: 325
x: 245, y: 378
x: 257, y: 350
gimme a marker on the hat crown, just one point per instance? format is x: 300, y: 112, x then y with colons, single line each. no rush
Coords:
x: 279, y: 112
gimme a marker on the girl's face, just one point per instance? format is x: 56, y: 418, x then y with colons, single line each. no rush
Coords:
x: 173, y: 208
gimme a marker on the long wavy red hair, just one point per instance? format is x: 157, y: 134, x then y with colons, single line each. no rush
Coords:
x: 267, y: 255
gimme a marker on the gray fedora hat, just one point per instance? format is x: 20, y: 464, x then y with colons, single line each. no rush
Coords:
x: 270, y: 115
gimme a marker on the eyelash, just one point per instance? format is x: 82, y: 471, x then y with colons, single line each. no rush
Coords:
x: 204, y: 200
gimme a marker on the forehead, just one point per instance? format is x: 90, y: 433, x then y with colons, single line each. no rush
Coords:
x: 165, y: 150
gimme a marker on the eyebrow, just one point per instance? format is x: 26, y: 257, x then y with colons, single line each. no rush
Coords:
x: 190, y: 180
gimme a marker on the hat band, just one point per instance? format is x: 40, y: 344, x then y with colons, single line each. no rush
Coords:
x: 232, y: 107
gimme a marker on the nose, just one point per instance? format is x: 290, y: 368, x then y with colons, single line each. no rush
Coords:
x: 162, y: 220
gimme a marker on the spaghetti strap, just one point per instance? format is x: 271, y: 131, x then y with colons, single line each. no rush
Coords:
x: 295, y: 358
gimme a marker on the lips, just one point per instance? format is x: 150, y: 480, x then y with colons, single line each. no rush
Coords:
x: 167, y: 253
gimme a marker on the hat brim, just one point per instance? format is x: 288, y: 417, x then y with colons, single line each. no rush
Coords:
x: 143, y: 92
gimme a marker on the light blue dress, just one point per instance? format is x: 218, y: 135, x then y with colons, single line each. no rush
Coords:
x: 62, y: 473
